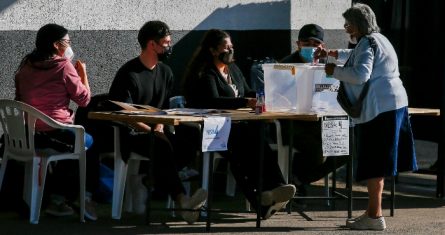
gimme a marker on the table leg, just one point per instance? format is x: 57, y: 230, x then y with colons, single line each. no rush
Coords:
x: 440, y: 181
x: 260, y: 175
x: 151, y: 164
x: 290, y: 161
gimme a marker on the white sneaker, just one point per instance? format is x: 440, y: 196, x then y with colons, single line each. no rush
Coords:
x: 273, y: 209
x: 367, y: 223
x: 352, y: 220
x: 279, y: 194
x: 193, y: 203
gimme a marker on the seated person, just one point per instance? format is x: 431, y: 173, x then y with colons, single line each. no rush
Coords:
x: 214, y: 81
x: 309, y: 165
x: 47, y: 80
x: 147, y: 81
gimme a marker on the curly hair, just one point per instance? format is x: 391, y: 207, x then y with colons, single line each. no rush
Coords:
x: 362, y: 16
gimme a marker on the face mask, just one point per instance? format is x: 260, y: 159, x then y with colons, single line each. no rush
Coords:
x: 307, y: 53
x: 69, y: 54
x: 167, y: 53
x: 227, y: 57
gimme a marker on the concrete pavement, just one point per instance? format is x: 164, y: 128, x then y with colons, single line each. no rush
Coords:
x: 417, y: 212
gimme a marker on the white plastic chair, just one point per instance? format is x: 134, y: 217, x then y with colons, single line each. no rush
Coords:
x: 18, y: 122
x: 122, y: 171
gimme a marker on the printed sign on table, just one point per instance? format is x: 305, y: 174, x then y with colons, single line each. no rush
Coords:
x: 215, y: 134
x: 335, y: 135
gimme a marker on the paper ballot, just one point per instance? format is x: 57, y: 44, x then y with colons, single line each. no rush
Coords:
x: 215, y: 134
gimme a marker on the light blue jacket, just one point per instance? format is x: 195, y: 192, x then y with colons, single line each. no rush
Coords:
x: 386, y: 91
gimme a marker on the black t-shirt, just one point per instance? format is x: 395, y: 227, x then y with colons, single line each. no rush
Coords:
x: 134, y: 83
x: 292, y: 58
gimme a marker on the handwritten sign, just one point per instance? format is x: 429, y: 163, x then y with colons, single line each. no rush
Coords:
x: 215, y: 134
x: 335, y: 135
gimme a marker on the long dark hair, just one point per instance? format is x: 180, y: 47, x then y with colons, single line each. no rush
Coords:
x: 202, y: 57
x: 45, y: 39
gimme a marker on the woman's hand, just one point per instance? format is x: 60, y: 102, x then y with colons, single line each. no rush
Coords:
x: 251, y: 102
x: 329, y: 69
x: 159, y: 128
x: 323, y: 53
x: 81, y: 69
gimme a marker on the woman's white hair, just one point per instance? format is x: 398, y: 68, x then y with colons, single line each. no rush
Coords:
x: 362, y: 16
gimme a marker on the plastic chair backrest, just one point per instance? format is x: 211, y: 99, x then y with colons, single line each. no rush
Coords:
x: 177, y: 102
x: 18, y: 121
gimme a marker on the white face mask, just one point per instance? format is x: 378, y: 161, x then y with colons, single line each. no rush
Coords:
x: 69, y: 54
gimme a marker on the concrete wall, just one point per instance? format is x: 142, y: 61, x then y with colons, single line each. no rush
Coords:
x: 103, y: 32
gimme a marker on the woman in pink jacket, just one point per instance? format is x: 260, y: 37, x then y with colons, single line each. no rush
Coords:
x: 47, y: 80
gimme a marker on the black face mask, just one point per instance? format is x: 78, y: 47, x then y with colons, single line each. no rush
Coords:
x: 167, y: 53
x: 227, y: 57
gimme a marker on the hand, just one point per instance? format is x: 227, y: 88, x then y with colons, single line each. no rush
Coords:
x: 159, y: 128
x: 320, y: 52
x: 251, y: 102
x: 81, y: 68
x: 329, y: 69
x: 323, y: 53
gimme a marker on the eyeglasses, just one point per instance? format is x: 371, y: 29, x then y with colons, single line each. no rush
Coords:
x: 67, y: 41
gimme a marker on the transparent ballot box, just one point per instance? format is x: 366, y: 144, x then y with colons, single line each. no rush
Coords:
x: 301, y: 88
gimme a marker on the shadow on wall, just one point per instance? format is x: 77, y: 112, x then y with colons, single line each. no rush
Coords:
x: 257, y: 30
x: 5, y: 4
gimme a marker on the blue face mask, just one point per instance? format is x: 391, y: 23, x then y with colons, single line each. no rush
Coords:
x: 307, y: 53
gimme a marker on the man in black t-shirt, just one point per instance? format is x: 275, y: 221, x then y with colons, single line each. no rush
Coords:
x: 147, y: 81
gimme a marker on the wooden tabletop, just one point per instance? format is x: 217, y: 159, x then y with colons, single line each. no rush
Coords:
x: 177, y: 119
x: 235, y: 115
x: 424, y: 111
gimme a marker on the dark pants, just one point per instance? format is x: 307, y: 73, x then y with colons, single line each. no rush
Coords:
x: 64, y: 175
x: 165, y: 174
x: 243, y: 157
x: 309, y: 165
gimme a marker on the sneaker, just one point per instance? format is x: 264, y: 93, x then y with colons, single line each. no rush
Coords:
x: 367, y: 223
x: 193, y: 203
x: 59, y: 209
x: 279, y: 194
x: 90, y: 209
x: 187, y: 173
x: 352, y: 220
x: 271, y: 210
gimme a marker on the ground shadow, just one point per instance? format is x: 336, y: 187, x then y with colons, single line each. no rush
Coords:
x: 5, y: 4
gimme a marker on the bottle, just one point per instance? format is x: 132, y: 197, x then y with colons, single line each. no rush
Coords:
x: 260, y: 105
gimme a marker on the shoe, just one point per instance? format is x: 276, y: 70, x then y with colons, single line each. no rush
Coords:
x: 367, y: 223
x: 193, y: 203
x: 140, y: 195
x: 59, y: 209
x: 187, y: 173
x: 352, y: 220
x: 90, y: 209
x: 279, y: 194
x: 271, y: 210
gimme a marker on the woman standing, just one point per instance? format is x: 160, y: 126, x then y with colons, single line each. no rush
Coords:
x: 383, y: 131
x: 47, y: 80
